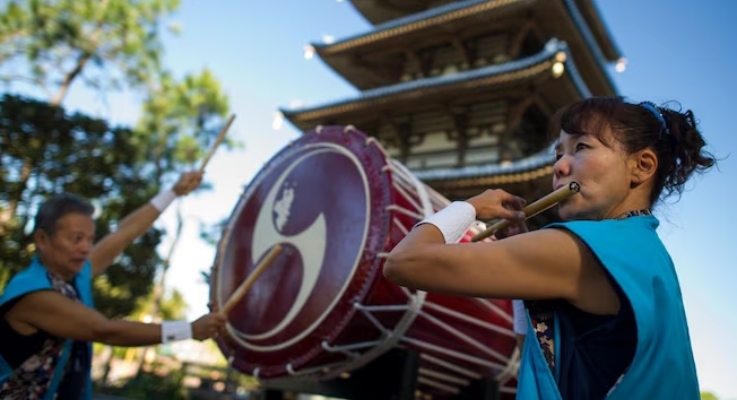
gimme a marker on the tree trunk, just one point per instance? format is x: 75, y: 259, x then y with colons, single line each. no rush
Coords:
x: 159, y: 289
x: 108, y: 366
x: 68, y: 79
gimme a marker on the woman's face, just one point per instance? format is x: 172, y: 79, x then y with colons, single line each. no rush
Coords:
x: 601, y: 170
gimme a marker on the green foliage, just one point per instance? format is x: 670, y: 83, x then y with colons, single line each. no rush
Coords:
x: 181, y: 119
x: 173, y: 307
x: 149, y: 385
x: 44, y: 151
x: 104, y: 42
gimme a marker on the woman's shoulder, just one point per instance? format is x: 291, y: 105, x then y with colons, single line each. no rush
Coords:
x: 30, y: 279
x: 630, y: 246
x: 647, y: 222
x: 635, y: 231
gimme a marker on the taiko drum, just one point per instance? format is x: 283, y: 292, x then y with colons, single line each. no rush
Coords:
x: 338, y: 204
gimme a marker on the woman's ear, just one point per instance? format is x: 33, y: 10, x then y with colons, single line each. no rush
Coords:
x: 39, y: 239
x: 644, y: 165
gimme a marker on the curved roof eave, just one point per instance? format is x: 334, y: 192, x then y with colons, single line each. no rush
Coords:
x: 610, y: 47
x: 590, y: 40
x: 442, y: 13
x: 541, y: 161
x: 549, y: 53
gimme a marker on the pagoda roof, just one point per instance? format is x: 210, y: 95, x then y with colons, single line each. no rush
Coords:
x: 523, y: 170
x: 378, y: 12
x: 491, y: 79
x: 599, y: 29
x: 579, y: 24
x: 418, y: 21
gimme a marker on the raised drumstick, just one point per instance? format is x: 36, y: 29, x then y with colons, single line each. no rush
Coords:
x: 218, y: 140
x: 243, y: 288
x: 533, y: 209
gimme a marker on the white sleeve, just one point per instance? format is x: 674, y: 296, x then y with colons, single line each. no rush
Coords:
x: 520, y: 317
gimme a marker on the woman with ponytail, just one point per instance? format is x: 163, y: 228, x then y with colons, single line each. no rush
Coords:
x: 605, y: 315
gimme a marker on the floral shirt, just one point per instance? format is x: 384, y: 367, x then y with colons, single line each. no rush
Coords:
x: 31, y: 380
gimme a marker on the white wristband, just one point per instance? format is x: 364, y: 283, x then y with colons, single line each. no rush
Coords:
x: 520, y: 317
x: 172, y: 331
x: 454, y: 221
x: 163, y: 199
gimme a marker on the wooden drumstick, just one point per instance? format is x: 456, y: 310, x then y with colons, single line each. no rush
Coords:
x: 218, y: 140
x: 533, y: 209
x: 243, y: 288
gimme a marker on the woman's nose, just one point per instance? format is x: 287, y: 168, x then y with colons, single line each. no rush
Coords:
x: 86, y: 246
x: 562, y: 167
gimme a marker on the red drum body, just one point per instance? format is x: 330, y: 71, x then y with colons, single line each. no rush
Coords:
x: 338, y: 204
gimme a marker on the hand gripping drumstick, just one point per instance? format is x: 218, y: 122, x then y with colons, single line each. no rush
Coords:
x: 533, y: 209
x: 243, y: 288
x: 218, y: 140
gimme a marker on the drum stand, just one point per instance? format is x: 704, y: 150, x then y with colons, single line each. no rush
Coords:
x: 392, y: 376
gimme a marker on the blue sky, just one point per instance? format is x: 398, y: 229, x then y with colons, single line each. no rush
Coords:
x: 676, y: 50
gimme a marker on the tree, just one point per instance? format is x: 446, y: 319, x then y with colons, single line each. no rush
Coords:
x: 180, y: 119
x: 104, y: 43
x: 78, y: 154
x: 50, y: 44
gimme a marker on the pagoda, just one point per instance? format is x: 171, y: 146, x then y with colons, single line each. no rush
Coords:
x: 461, y: 91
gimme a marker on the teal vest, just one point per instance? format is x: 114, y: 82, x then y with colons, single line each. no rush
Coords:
x: 35, y: 278
x: 663, y: 367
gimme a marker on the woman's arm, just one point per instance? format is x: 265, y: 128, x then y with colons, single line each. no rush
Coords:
x: 138, y: 222
x: 537, y: 265
x: 131, y: 227
x: 60, y: 316
x: 547, y: 264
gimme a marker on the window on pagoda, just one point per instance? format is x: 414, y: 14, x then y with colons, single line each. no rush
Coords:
x: 531, y: 45
x: 530, y: 136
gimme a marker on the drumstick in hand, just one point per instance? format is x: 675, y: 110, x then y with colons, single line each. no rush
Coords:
x: 218, y: 140
x: 243, y: 288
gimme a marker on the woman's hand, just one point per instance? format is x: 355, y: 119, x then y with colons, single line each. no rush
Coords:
x: 496, y: 203
x: 208, y: 326
x: 187, y: 182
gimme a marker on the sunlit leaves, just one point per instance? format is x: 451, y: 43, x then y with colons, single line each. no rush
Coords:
x: 57, y: 41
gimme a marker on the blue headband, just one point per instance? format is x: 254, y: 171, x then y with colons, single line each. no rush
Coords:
x: 659, y: 115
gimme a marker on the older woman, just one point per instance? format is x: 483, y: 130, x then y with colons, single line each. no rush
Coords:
x: 606, y: 316
x: 47, y: 316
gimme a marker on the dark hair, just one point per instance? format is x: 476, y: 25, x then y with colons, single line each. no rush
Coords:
x: 672, y: 135
x: 56, y: 207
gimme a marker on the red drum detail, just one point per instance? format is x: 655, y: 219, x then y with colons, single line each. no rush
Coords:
x: 338, y: 204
